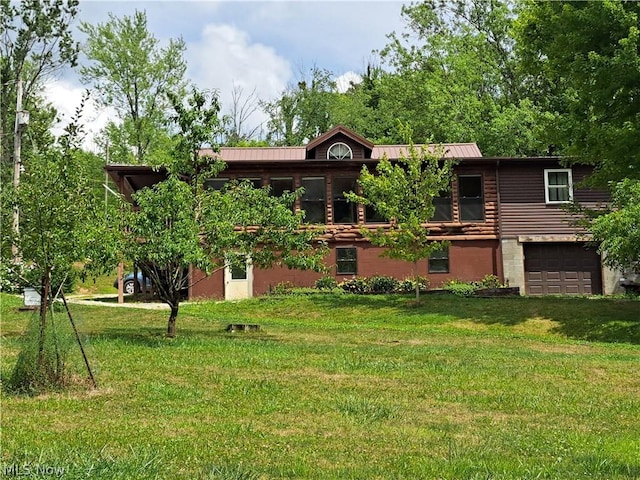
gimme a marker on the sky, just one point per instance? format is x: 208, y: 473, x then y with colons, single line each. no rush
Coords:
x: 261, y: 45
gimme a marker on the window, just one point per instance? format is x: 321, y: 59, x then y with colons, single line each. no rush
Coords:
x: 313, y: 199
x: 470, y: 198
x: 339, y: 151
x: 346, y: 261
x: 343, y: 210
x: 371, y: 215
x: 558, y: 186
x: 238, y: 266
x: 215, y: 183
x: 280, y: 185
x: 439, y: 261
x: 443, y: 211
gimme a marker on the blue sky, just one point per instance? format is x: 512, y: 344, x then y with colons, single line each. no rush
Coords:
x: 262, y: 45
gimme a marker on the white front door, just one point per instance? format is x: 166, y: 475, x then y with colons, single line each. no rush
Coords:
x: 238, y: 281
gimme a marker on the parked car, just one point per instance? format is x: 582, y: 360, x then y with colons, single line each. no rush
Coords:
x: 129, y: 285
x: 630, y: 282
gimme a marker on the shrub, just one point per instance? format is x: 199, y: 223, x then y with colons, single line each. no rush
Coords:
x: 490, y: 281
x: 408, y: 285
x: 355, y: 285
x: 461, y: 288
x: 326, y: 283
x: 382, y: 284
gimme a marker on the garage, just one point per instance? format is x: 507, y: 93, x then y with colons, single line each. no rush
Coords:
x: 562, y: 269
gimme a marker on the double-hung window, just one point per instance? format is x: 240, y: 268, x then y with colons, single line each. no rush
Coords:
x: 439, y: 261
x: 558, y: 185
x: 344, y: 211
x: 443, y: 210
x: 313, y: 200
x: 346, y: 261
x: 470, y: 197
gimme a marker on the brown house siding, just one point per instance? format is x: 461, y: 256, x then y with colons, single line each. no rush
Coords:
x: 320, y: 152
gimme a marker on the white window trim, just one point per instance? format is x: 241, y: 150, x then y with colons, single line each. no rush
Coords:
x: 350, y: 157
x: 547, y: 171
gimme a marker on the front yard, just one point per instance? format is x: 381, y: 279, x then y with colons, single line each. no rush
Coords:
x: 341, y: 386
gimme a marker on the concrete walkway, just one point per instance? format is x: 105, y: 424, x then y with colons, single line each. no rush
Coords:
x: 101, y: 300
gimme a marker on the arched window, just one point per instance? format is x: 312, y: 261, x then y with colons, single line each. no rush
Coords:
x: 339, y: 151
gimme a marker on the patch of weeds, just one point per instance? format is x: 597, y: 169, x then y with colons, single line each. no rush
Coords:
x: 366, y: 410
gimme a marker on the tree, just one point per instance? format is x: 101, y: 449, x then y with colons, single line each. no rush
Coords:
x: 403, y: 194
x: 237, y: 129
x: 62, y: 226
x: 180, y: 224
x: 133, y: 74
x: 303, y: 111
x: 618, y: 232
x: 36, y: 42
x: 586, y: 57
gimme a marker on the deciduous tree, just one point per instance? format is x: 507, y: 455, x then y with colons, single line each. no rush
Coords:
x: 403, y: 193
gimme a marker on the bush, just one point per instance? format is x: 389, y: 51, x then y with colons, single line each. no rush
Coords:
x: 326, y: 283
x: 355, y: 285
x: 408, y: 285
x: 382, y: 284
x: 490, y: 281
x: 461, y: 288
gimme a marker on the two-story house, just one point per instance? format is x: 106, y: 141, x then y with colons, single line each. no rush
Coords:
x: 496, y: 218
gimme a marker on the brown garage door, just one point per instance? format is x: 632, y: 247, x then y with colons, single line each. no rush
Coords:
x: 562, y: 269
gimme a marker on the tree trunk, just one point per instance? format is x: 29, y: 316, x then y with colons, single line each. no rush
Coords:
x: 171, y: 327
x: 44, y: 300
x: 416, y: 280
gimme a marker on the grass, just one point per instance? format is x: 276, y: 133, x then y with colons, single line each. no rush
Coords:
x: 339, y: 386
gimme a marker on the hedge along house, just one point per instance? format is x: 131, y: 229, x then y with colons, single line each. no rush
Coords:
x: 469, y: 217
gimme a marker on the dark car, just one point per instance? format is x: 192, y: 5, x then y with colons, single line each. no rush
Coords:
x: 129, y: 285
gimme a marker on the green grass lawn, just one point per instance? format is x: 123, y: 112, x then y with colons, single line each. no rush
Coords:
x: 342, y: 387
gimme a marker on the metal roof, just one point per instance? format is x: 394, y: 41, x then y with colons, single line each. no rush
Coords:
x: 284, y: 154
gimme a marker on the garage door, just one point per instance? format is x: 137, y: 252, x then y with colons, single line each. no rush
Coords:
x: 561, y: 269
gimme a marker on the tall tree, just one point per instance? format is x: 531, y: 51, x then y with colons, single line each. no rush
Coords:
x: 403, y: 193
x: 132, y: 73
x: 304, y: 110
x: 36, y: 42
x: 586, y: 55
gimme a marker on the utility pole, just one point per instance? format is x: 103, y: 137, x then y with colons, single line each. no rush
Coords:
x: 22, y: 119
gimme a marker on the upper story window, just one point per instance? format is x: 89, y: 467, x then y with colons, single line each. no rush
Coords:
x: 343, y: 210
x: 339, y: 151
x: 313, y: 200
x: 216, y: 183
x: 470, y: 197
x: 558, y: 185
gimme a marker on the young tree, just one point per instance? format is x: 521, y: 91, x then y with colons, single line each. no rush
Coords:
x: 62, y: 225
x: 132, y: 73
x: 403, y: 194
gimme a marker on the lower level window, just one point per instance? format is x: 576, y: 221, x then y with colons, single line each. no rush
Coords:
x: 346, y: 261
x: 439, y: 261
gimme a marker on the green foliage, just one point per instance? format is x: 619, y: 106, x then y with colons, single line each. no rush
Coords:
x: 380, y: 284
x: 36, y: 43
x: 461, y: 288
x: 326, y: 283
x: 585, y: 57
x: 131, y: 73
x: 408, y: 285
x: 37, y: 372
x: 490, y: 281
x: 618, y: 232
x: 403, y: 194
x: 357, y: 285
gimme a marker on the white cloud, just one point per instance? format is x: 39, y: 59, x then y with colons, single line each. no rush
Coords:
x: 225, y: 57
x: 344, y: 81
x: 66, y: 98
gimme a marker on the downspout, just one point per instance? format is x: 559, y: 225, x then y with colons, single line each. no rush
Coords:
x: 500, y: 258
